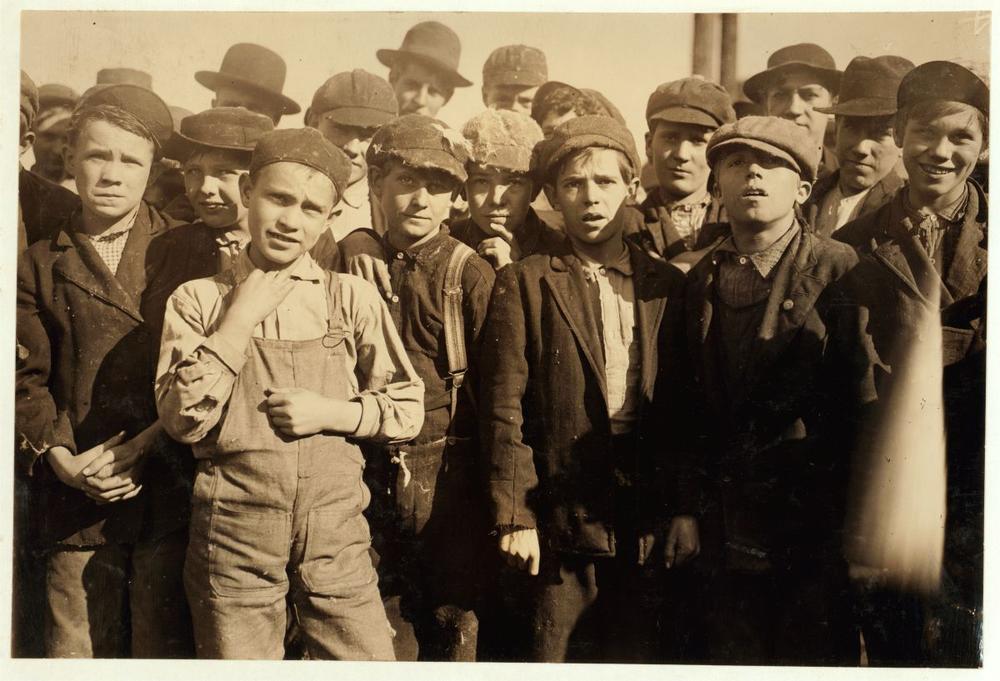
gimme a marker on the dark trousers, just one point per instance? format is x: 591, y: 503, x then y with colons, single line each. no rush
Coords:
x: 891, y: 623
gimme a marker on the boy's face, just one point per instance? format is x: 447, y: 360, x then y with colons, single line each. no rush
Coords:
x: 517, y: 98
x: 757, y: 189
x: 289, y: 205
x: 865, y: 149
x: 796, y: 97
x: 553, y: 119
x: 51, y: 146
x: 677, y: 151
x: 589, y: 192
x: 353, y: 141
x: 212, y: 185
x: 420, y: 89
x: 414, y: 201
x: 498, y: 198
x: 111, y: 167
x: 941, y: 153
x: 230, y: 95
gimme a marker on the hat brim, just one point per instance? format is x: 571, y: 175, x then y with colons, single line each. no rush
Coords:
x: 767, y: 148
x: 868, y: 107
x: 389, y: 58
x: 185, y: 145
x: 686, y: 115
x: 357, y: 117
x: 755, y: 87
x: 525, y: 80
x: 430, y: 159
x: 214, y: 79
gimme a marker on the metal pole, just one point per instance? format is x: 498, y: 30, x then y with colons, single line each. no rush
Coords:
x: 728, y: 49
x: 704, y: 60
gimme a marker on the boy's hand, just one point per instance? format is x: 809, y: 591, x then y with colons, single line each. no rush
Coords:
x: 69, y: 468
x: 682, y: 541
x: 373, y: 270
x: 298, y: 412
x: 521, y: 550
x: 255, y: 298
x: 121, y: 457
x: 498, y: 251
x: 118, y: 487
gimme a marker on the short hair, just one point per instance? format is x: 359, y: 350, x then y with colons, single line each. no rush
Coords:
x: 116, y: 116
x: 624, y: 164
x: 929, y: 109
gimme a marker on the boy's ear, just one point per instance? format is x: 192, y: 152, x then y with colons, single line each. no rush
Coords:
x: 633, y: 188
x: 27, y: 141
x: 246, y: 184
x: 649, y: 146
x: 550, y: 194
x: 804, y: 190
x: 376, y: 181
x: 713, y: 186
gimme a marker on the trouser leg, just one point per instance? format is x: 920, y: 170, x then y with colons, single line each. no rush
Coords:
x: 161, y: 619
x: 561, y: 599
x: 349, y: 626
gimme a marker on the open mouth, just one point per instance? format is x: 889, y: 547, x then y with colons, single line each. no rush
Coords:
x: 936, y: 171
x: 278, y: 236
x: 753, y: 193
x: 212, y: 205
x: 591, y: 217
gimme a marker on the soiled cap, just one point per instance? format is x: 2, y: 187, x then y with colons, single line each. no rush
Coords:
x: 142, y: 103
x: 944, y: 80
x: 231, y: 128
x: 502, y: 139
x: 356, y: 98
x: 582, y: 133
x: 421, y: 142
x: 776, y: 136
x: 690, y: 100
x: 29, y: 98
x: 306, y: 146
x: 515, y: 65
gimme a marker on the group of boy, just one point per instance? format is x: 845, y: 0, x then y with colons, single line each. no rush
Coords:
x: 504, y: 439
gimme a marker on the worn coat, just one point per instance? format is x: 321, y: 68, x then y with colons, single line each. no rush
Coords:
x: 86, y: 373
x: 44, y: 205
x: 544, y: 419
x: 879, y: 195
x: 659, y: 234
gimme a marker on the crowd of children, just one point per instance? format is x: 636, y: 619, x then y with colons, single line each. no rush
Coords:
x: 378, y: 388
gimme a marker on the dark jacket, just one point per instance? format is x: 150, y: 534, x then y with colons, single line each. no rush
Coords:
x: 763, y: 465
x: 659, y: 234
x: 86, y: 374
x: 545, y: 429
x: 900, y: 284
x: 45, y: 205
x: 536, y: 236
x: 879, y: 195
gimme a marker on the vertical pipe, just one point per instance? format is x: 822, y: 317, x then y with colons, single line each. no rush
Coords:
x: 728, y: 49
x: 704, y: 53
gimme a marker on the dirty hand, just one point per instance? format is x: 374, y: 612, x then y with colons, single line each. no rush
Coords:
x: 498, y: 251
x: 255, y: 298
x: 373, y: 270
x: 521, y: 550
x: 682, y: 541
x: 298, y: 412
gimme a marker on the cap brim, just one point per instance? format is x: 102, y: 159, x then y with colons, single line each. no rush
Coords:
x: 357, y: 117
x: 389, y: 57
x: 213, y: 79
x: 434, y: 160
x: 769, y: 149
x: 755, y: 87
x: 523, y: 79
x: 863, y: 106
x: 685, y: 115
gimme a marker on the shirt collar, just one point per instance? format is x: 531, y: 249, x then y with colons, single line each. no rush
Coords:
x: 696, y: 200
x: 123, y: 227
x: 232, y: 236
x: 763, y: 261
x: 306, y: 269
x: 622, y: 264
x: 421, y: 253
x: 952, y: 213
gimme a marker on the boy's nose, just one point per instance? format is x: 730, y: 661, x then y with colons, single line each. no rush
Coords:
x: 353, y: 148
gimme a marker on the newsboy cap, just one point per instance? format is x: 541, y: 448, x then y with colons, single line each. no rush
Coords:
x: 691, y: 100
x: 502, y: 139
x: 225, y: 127
x: 778, y: 137
x: 421, y: 142
x: 944, y: 80
x: 431, y: 43
x: 151, y: 111
x: 29, y: 98
x: 581, y: 133
x: 355, y: 98
x: 869, y: 86
x: 515, y: 65
x: 305, y: 146
x: 807, y: 56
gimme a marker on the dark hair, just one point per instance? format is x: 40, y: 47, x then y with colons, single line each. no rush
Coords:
x: 930, y: 109
x: 624, y: 164
x: 241, y: 158
x: 118, y: 117
x: 563, y: 100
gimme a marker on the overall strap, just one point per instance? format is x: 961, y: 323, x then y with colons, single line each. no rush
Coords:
x: 454, y: 323
x: 335, y: 325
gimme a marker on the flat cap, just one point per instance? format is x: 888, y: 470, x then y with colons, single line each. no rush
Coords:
x: 502, y: 139
x: 581, y: 133
x: 306, y: 146
x: 29, y: 98
x: 776, y: 136
x: 691, y: 100
x: 944, y: 80
x: 869, y: 86
x: 225, y: 127
x: 422, y: 142
x: 54, y: 94
x: 807, y: 56
x: 142, y: 103
x: 124, y: 76
x: 356, y: 98
x: 515, y: 65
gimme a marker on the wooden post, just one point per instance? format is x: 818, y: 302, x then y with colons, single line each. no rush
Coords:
x: 728, y: 48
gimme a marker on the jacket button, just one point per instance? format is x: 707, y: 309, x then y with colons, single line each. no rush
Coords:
x: 395, y: 298
x: 399, y: 255
x: 787, y: 304
x: 726, y: 479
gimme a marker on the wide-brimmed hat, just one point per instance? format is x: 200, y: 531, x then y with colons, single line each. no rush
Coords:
x: 869, y: 86
x: 432, y: 43
x: 254, y: 68
x: 800, y: 56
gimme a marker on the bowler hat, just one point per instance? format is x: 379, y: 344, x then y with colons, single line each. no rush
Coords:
x: 124, y: 76
x: 54, y: 94
x: 432, y: 43
x: 151, y: 111
x: 944, y: 80
x: 29, y: 98
x: 800, y: 56
x: 691, y: 100
x: 422, y: 142
x: 254, y: 68
x: 778, y: 137
x: 515, y: 65
x: 356, y: 98
x: 306, y: 146
x: 869, y: 86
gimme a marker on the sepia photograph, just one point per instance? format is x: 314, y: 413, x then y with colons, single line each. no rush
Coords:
x: 562, y: 334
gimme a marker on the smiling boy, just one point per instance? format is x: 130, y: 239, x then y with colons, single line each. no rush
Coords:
x: 267, y: 369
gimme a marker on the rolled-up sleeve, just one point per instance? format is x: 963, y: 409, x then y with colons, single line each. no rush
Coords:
x: 390, y: 392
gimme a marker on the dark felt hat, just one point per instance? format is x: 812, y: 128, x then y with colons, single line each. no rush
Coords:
x: 251, y: 67
x: 690, y: 100
x: 421, y: 142
x: 869, y: 86
x: 432, y: 43
x: 144, y: 104
x: 225, y: 127
x: 515, y: 65
x: 29, y: 98
x: 581, y: 133
x: 800, y: 56
x: 355, y: 98
x: 944, y: 80
x: 54, y: 94
x: 124, y: 76
x: 502, y: 139
x: 306, y: 146
x: 776, y: 136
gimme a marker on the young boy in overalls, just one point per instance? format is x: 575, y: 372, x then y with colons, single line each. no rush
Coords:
x: 271, y: 370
